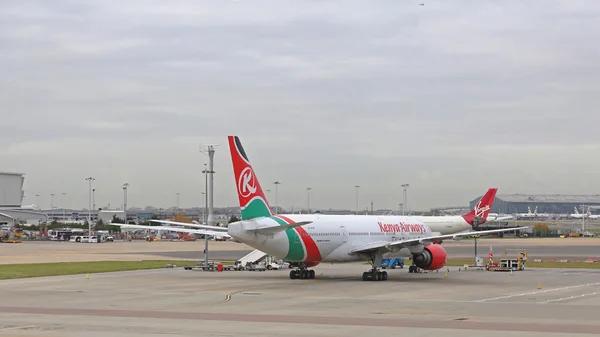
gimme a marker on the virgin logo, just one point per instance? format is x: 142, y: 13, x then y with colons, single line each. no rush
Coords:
x: 246, y: 182
x: 480, y: 211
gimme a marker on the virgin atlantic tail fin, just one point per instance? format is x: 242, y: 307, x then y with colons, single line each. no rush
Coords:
x: 480, y: 212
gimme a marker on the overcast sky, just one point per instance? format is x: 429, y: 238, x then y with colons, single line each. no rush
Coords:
x: 451, y: 97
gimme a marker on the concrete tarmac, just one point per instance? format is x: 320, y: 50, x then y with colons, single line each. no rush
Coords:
x: 47, y: 251
x: 177, y: 302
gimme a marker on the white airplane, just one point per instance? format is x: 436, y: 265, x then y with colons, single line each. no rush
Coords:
x: 590, y: 216
x: 541, y: 215
x: 578, y: 215
x: 448, y: 224
x: 529, y: 214
x: 309, y: 239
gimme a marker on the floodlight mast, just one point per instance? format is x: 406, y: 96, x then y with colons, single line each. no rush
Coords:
x: 209, y: 149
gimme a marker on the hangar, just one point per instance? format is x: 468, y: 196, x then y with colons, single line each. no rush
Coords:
x: 546, y: 203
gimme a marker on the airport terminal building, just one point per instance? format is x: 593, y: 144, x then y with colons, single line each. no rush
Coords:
x: 545, y: 203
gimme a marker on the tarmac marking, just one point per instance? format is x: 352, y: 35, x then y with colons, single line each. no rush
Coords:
x: 538, y: 292
x: 570, y: 297
x: 18, y: 327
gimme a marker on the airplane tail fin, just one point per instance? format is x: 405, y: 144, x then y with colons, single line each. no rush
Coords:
x: 253, y: 202
x: 480, y: 212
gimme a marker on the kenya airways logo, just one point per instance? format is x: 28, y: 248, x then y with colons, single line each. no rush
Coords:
x: 480, y: 211
x: 247, y: 182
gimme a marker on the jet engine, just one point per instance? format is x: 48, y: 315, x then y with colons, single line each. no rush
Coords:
x: 433, y: 257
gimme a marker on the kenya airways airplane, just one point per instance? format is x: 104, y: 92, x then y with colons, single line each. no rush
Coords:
x: 305, y: 240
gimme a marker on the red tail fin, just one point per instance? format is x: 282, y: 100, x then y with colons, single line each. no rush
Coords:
x: 479, y: 213
x: 253, y: 202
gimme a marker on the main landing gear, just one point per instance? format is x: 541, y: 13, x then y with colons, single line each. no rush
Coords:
x: 375, y: 274
x: 300, y: 271
x: 303, y: 274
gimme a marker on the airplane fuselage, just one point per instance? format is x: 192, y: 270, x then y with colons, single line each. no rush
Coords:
x: 329, y: 238
x: 447, y: 224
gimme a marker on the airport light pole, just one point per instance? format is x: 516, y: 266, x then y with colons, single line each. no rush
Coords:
x: 37, y: 200
x: 269, y: 198
x: 308, y: 199
x: 125, y: 186
x: 210, y: 151
x: 204, y: 208
x: 584, y: 214
x: 90, y: 179
x: 404, y: 197
x: 52, y: 203
x: 277, y: 183
x: 177, y: 207
x: 94, y: 198
x: 64, y: 212
x: 206, y: 172
x: 357, y: 187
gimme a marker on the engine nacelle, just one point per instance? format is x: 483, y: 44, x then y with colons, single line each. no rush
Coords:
x: 433, y: 257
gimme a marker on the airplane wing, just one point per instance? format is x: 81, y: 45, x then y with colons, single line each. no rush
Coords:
x: 195, y: 225
x: 174, y: 229
x: 426, y: 240
x: 499, y: 218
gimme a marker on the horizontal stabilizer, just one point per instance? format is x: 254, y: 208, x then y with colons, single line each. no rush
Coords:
x: 274, y: 229
x: 174, y: 229
x: 195, y: 225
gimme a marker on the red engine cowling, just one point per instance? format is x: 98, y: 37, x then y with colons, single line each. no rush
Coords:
x: 433, y: 257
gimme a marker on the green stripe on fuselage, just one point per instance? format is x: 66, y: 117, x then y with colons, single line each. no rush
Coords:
x: 255, y: 209
x: 296, y: 250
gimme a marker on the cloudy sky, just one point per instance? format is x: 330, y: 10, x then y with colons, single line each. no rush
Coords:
x: 452, y: 97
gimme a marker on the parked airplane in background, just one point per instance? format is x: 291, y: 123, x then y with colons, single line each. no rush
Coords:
x: 539, y: 215
x: 529, y: 214
x: 578, y: 215
x: 447, y: 224
x: 308, y: 239
x: 592, y: 216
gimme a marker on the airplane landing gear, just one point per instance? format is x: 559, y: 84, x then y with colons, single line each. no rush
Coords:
x: 375, y: 274
x: 303, y: 274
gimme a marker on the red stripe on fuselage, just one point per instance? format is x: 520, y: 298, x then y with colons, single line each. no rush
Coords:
x: 312, y: 251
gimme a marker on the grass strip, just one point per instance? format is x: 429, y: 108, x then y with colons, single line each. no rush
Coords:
x: 532, y: 264
x: 25, y: 270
